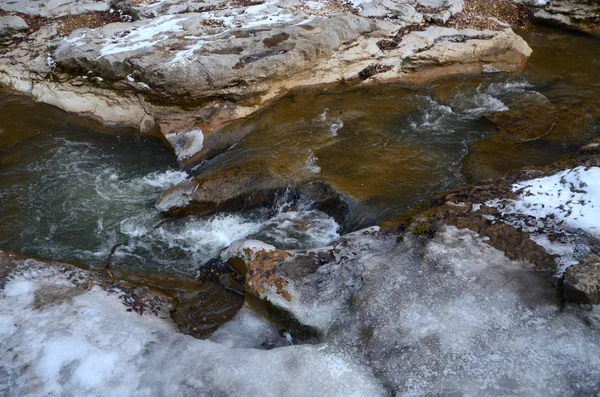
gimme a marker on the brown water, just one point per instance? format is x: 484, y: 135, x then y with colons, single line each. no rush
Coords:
x: 392, y: 147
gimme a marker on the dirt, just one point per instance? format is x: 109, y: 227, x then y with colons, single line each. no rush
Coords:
x: 69, y: 23
x: 477, y: 14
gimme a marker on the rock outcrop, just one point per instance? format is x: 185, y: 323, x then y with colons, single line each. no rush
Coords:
x: 581, y: 15
x: 187, y: 69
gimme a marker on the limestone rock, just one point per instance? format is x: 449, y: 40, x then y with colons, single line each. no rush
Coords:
x: 11, y: 23
x: 582, y: 281
x: 582, y: 15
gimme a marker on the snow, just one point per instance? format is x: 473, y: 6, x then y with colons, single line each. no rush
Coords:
x: 359, y: 3
x: 571, y: 196
x: 145, y: 36
x: 85, y: 343
x: 567, y: 202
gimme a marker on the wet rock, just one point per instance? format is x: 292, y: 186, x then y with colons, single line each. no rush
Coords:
x: 589, y: 155
x: 256, y: 262
x: 201, y: 312
x: 582, y: 281
x: 234, y: 189
x: 248, y: 186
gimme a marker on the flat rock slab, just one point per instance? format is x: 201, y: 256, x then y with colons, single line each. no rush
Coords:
x: 581, y: 15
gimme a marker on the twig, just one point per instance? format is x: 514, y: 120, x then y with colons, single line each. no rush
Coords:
x: 538, y: 137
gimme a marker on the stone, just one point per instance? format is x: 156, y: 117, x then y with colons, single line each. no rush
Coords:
x: 581, y: 15
x: 12, y: 23
x: 250, y: 185
x: 54, y: 8
x: 416, y: 309
x: 582, y: 282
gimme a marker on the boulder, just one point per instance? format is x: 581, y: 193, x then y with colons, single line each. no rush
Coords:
x: 12, y: 23
x: 251, y: 185
x: 54, y: 8
x: 582, y: 281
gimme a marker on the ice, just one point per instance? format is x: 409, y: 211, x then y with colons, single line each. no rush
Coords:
x: 249, y: 330
x: 446, y: 316
x: 186, y: 144
x: 89, y: 345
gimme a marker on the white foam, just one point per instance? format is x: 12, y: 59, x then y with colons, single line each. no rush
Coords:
x: 335, y: 126
x: 311, y: 163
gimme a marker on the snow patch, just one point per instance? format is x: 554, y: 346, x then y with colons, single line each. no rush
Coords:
x: 145, y: 36
x: 567, y: 202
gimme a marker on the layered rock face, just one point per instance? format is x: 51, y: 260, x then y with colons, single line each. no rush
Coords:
x: 581, y: 15
x: 185, y: 69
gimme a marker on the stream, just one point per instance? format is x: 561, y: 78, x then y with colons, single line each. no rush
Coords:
x: 70, y: 193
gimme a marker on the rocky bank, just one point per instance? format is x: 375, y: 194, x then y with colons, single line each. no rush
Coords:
x: 185, y: 70
x: 491, y: 288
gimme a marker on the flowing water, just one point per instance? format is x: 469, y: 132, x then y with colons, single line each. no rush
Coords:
x: 70, y: 193
x: 393, y: 147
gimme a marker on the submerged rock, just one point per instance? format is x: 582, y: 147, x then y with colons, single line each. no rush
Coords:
x: 582, y: 281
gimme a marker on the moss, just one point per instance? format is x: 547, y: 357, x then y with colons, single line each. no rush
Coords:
x: 422, y: 229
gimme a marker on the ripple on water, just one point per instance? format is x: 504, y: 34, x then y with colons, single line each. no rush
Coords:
x: 73, y: 195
